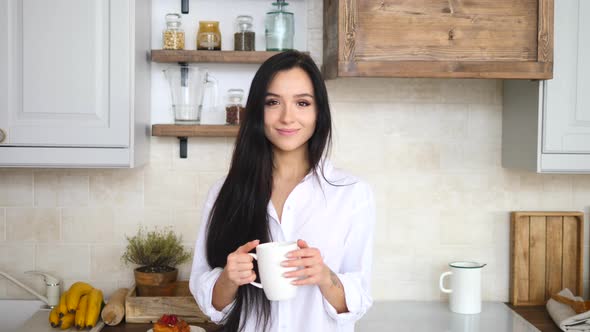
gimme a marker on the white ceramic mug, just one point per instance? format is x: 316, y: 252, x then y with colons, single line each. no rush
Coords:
x: 270, y: 256
x: 465, y: 292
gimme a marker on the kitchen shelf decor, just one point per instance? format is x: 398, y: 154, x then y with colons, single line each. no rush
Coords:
x: 184, y: 56
x: 509, y: 39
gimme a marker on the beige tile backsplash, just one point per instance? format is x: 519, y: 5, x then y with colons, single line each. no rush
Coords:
x: 32, y: 225
x: 430, y: 148
x: 16, y: 187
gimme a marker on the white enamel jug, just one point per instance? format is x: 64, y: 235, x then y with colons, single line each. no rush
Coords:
x: 465, y: 291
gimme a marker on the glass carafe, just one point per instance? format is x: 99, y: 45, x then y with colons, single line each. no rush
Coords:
x: 188, y: 85
x: 279, y: 28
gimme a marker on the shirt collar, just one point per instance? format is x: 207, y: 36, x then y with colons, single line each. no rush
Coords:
x: 324, y: 167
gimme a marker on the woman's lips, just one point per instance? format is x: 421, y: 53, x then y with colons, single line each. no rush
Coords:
x: 287, y: 132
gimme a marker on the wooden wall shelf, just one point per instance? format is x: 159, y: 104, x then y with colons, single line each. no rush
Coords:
x: 171, y: 56
x: 183, y: 132
x: 175, y: 130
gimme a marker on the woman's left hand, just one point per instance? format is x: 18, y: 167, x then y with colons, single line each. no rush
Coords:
x: 310, y: 264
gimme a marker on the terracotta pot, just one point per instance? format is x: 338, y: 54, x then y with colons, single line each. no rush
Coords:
x: 155, y: 283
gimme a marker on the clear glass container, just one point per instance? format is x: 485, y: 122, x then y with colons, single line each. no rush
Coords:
x: 244, y: 37
x: 234, y: 110
x: 173, y: 35
x: 209, y: 36
x: 192, y: 89
x: 279, y: 28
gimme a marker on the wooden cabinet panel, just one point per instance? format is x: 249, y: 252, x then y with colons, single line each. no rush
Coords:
x: 546, y: 124
x: 73, y: 74
x: 567, y: 111
x: 435, y: 38
x: 74, y: 83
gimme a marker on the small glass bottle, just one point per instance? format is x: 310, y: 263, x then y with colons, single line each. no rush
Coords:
x: 279, y: 28
x: 244, y: 36
x: 173, y: 35
x: 209, y: 36
x: 234, y: 111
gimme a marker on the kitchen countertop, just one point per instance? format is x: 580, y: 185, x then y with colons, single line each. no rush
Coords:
x: 384, y: 316
x: 436, y: 316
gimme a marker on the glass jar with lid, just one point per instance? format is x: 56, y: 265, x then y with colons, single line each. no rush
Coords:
x: 234, y: 111
x: 279, y: 27
x: 244, y: 36
x: 173, y: 36
x: 209, y: 36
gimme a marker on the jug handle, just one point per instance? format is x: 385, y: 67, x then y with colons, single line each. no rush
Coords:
x: 440, y: 283
x: 211, y: 83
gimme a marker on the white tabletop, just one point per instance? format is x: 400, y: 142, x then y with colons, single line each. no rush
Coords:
x: 418, y: 316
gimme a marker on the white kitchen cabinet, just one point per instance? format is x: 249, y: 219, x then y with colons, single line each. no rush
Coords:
x: 74, y: 83
x: 546, y: 124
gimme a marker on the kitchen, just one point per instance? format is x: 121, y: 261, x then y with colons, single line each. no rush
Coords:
x: 430, y: 147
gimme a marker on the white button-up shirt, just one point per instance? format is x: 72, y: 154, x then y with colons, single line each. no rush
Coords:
x: 338, y: 220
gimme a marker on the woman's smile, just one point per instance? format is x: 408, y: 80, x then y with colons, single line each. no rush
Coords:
x: 287, y: 132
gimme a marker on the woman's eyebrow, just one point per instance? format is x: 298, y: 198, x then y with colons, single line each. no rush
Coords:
x: 270, y: 94
x: 304, y: 95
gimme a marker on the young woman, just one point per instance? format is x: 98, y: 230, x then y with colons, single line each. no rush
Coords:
x: 280, y: 187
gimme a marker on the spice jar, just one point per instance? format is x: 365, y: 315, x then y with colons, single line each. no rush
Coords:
x: 173, y: 36
x: 244, y: 36
x: 209, y: 36
x: 234, y: 111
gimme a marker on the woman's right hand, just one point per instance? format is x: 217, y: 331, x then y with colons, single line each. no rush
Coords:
x: 239, y: 268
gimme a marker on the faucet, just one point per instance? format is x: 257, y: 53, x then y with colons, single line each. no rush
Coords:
x: 51, y: 283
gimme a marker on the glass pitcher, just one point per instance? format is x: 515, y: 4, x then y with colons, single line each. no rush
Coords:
x: 189, y: 86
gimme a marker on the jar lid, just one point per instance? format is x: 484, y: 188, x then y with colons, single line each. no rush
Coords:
x: 244, y: 22
x: 235, y: 95
x: 209, y: 23
x: 173, y: 19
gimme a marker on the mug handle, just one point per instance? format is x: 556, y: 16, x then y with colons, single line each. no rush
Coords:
x: 440, y: 283
x: 257, y: 284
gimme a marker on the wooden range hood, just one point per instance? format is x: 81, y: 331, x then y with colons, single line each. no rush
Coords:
x: 510, y: 39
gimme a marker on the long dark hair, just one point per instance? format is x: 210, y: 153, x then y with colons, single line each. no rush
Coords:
x: 239, y: 214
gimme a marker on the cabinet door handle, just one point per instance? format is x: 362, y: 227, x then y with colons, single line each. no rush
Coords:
x: 2, y: 135
x: 184, y: 6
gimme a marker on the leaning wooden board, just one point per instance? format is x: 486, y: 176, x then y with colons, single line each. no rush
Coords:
x: 546, y: 255
x: 146, y: 309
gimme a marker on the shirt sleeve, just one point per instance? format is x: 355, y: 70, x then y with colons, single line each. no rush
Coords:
x: 355, y: 271
x: 203, y: 277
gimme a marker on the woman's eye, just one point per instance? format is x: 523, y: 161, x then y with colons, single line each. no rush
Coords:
x: 271, y: 102
x: 303, y: 103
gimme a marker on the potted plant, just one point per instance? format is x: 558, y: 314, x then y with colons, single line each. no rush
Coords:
x: 157, y: 253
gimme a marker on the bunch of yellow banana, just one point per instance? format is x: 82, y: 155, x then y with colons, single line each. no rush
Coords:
x: 80, y: 307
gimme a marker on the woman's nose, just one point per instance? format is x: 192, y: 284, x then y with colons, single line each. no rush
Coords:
x: 287, y: 114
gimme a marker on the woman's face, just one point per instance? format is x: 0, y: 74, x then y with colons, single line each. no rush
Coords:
x: 290, y: 110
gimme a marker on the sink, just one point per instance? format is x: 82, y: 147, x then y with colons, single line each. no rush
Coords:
x: 14, y: 313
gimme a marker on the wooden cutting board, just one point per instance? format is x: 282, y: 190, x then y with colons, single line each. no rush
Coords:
x: 148, y: 309
x: 546, y: 255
